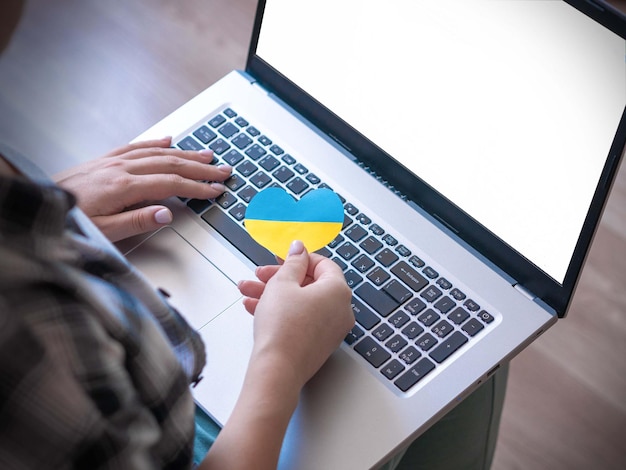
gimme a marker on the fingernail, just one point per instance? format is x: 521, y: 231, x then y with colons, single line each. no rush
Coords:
x: 167, y: 138
x: 296, y: 248
x: 225, y: 168
x: 163, y: 216
x: 207, y: 152
x: 218, y: 186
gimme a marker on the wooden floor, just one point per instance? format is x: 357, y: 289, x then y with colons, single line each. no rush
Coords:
x: 84, y: 76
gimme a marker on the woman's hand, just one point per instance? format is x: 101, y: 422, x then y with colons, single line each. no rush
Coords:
x: 110, y: 188
x: 302, y: 310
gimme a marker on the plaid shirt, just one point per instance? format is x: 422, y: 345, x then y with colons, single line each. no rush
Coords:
x: 94, y: 365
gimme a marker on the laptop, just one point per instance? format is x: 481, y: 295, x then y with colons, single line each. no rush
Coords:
x: 473, y: 144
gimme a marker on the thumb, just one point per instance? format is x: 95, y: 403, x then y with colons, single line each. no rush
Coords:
x: 296, y: 264
x: 134, y: 222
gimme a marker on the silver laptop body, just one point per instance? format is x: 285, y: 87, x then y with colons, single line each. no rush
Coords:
x: 437, y: 124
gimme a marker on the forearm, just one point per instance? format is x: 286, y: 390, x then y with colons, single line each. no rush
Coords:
x: 253, y: 436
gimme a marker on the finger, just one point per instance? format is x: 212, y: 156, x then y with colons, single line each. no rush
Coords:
x: 204, y: 156
x: 296, y: 264
x: 170, y: 164
x: 253, y: 289
x: 157, y: 187
x: 265, y: 273
x: 250, y: 305
x: 127, y: 224
x: 163, y: 142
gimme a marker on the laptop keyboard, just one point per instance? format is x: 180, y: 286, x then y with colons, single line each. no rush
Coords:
x: 409, y: 318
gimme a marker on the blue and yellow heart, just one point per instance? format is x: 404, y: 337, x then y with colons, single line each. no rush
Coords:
x: 274, y: 219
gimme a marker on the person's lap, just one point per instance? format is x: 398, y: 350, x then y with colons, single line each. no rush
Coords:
x: 465, y: 438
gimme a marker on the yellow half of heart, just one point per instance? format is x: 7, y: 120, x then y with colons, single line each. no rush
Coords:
x: 277, y: 236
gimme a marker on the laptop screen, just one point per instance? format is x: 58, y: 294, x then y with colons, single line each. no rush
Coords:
x: 507, y: 108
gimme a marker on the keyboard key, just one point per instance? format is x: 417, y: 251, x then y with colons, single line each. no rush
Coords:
x: 301, y: 169
x: 312, y: 178
x: 288, y: 159
x: 486, y: 316
x: 264, y: 140
x: 336, y: 241
x: 449, y: 346
x: 241, y: 122
x: 472, y: 327
x: 362, y: 263
x: 431, y: 293
x: 457, y: 295
x: 225, y: 200
x: 403, y: 251
x: 230, y: 230
x: 377, y: 299
x: 386, y: 257
x: 392, y: 369
x: 283, y: 174
x: 241, y: 141
x: 363, y: 315
x: 430, y: 272
x: 324, y: 252
x: 269, y: 163
x: 355, y: 334
x: 397, y: 290
x: 198, y: 205
x: 442, y: 329
x: 276, y: 149
x: 246, y: 168
x: 389, y: 240
x: 396, y: 343
x: 219, y: 146
x: 398, y: 319
x: 376, y: 229
x: 204, y: 134
x: 426, y: 341
x: 363, y: 219
x: 347, y: 251
x: 352, y: 278
x: 350, y: 209
x: 297, y: 185
x: 428, y: 317
x: 228, y: 130
x: 217, y: 121
x: 247, y: 193
x: 189, y: 143
x: 383, y: 332
x: 378, y: 276
x: 253, y: 131
x: 238, y: 211
x: 260, y: 179
x: 415, y: 306
x: 414, y: 374
x: 355, y: 233
x: 415, y: 261
x: 444, y: 283
x: 409, y: 276
x: 458, y: 316
x: 471, y: 305
x: 255, y: 152
x: 410, y: 355
x: 373, y: 352
x: 234, y: 183
x: 445, y: 304
x: 412, y: 330
x: 339, y: 262
x: 230, y: 113
x: 232, y: 157
x: 371, y: 245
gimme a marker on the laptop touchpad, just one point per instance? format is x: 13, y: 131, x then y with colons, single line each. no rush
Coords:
x: 197, y: 289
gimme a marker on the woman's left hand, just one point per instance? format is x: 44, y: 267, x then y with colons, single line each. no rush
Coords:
x: 110, y: 188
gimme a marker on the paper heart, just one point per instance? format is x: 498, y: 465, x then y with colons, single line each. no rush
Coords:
x: 275, y: 219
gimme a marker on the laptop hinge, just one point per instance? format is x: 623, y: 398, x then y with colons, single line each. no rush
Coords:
x: 525, y: 292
